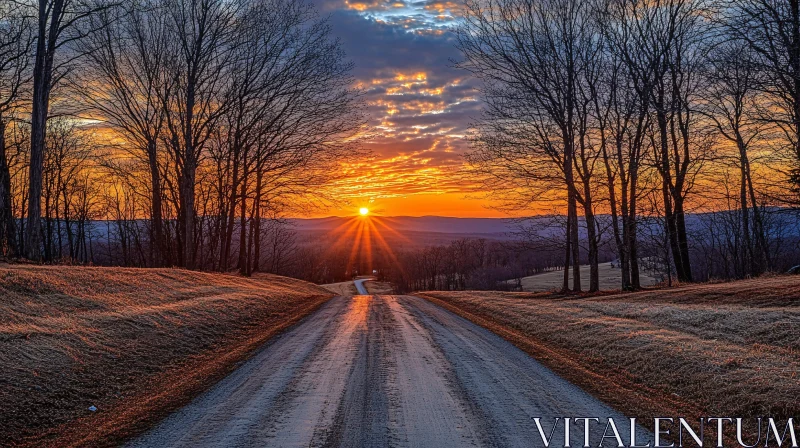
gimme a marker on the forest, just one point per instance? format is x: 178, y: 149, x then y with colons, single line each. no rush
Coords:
x: 166, y: 132
x: 641, y: 111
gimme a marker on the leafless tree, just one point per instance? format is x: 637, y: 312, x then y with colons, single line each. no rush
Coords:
x: 61, y: 23
x: 531, y: 56
x: 771, y: 28
x: 290, y: 109
x: 198, y: 55
x: 280, y: 243
x: 731, y: 101
x: 677, y: 39
x: 624, y: 117
x: 16, y: 38
x: 573, y: 85
x: 219, y: 110
x: 125, y: 70
x: 68, y: 151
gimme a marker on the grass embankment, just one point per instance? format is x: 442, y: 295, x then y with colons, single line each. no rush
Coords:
x: 703, y: 350
x: 380, y: 288
x: 342, y: 289
x: 349, y: 288
x: 134, y: 343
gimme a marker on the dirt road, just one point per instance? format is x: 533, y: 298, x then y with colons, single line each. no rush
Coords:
x: 360, y: 285
x: 369, y: 371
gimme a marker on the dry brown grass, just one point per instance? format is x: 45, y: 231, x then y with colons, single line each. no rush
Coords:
x: 703, y: 350
x: 610, y: 279
x: 381, y: 288
x: 134, y: 343
x: 342, y: 289
x: 349, y: 288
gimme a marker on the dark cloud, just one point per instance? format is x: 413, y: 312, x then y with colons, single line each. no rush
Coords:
x: 378, y: 47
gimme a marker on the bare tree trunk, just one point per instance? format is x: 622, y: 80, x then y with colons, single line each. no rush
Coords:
x: 567, y: 254
x: 161, y: 257
x: 231, y: 215
x: 619, y: 241
x: 7, y: 222
x: 630, y: 232
x: 68, y: 228
x: 761, y: 237
x: 243, y: 226
x: 683, y: 240
x: 48, y: 231
x: 591, y: 229
x: 187, y: 184
x: 187, y: 211
x: 575, y: 241
x: 670, y: 217
x: 34, y: 228
x: 256, y: 239
x: 46, y: 40
x: 591, y: 232
x: 248, y: 267
x: 744, y: 210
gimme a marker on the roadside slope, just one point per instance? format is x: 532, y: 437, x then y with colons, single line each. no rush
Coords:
x: 342, y: 288
x: 699, y: 350
x: 134, y: 343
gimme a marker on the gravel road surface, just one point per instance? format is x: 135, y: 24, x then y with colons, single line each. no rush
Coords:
x: 360, y: 286
x: 376, y: 371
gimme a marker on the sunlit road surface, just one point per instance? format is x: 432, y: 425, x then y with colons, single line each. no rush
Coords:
x: 376, y: 371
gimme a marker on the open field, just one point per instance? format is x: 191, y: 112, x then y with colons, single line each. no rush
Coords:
x: 610, y: 279
x: 376, y: 287
x: 702, y: 350
x: 342, y: 288
x: 349, y: 288
x: 135, y: 344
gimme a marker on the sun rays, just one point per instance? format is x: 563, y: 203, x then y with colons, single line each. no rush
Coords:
x: 361, y: 240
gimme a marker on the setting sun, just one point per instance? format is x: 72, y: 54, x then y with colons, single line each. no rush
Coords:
x: 364, y: 211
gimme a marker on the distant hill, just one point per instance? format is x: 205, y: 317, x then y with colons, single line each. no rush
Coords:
x: 410, y: 232
x: 402, y: 232
x: 402, y: 224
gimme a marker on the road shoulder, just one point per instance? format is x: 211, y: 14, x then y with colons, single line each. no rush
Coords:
x: 613, y: 388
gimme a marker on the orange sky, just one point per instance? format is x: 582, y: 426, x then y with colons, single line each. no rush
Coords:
x: 419, y: 113
x: 419, y: 109
x: 445, y: 204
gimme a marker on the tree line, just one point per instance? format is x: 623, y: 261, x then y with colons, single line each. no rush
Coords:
x: 466, y: 264
x: 484, y: 264
x: 186, y: 128
x: 640, y: 111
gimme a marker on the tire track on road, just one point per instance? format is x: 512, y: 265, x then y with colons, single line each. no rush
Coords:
x: 394, y: 371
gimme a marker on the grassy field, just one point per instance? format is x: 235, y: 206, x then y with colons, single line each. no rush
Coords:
x: 376, y: 287
x: 342, y: 289
x: 349, y: 288
x: 610, y: 279
x: 703, y: 350
x: 134, y: 344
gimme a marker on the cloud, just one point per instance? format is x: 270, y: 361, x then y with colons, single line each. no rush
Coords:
x: 382, y: 43
x: 374, y: 5
x: 420, y: 106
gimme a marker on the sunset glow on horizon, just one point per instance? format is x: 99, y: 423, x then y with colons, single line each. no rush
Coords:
x: 419, y: 110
